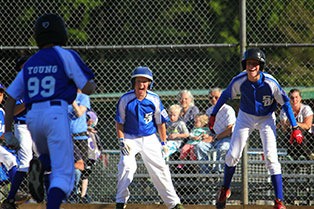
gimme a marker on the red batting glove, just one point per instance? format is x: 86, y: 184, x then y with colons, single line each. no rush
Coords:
x: 211, y: 122
x: 296, y: 135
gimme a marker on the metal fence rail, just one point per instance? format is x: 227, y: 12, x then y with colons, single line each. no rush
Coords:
x: 193, y: 45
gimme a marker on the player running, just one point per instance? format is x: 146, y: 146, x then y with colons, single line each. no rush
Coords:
x: 260, y: 93
x: 48, y: 83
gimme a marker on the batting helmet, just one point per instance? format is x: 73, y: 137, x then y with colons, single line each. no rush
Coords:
x: 142, y: 72
x: 50, y: 29
x: 255, y: 54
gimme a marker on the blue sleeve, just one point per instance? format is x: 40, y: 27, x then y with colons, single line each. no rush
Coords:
x: 86, y: 70
x: 289, y: 112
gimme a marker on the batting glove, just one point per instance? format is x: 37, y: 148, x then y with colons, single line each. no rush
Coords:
x: 296, y: 135
x: 165, y: 148
x: 211, y: 122
x: 11, y: 141
x: 125, y: 148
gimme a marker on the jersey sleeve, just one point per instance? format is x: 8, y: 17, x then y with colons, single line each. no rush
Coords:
x: 75, y: 68
x: 120, y: 111
x: 161, y: 115
x: 16, y: 88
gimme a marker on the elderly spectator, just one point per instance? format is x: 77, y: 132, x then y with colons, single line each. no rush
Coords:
x: 219, y: 141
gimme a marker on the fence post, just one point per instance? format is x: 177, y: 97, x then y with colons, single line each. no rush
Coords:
x: 245, y: 199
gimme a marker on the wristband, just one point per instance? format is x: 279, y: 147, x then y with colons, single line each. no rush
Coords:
x: 121, y: 139
x: 163, y: 143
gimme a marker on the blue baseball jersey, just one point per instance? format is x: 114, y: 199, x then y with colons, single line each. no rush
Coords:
x: 22, y: 115
x: 140, y: 118
x: 79, y: 124
x: 1, y: 121
x: 51, y: 73
x: 259, y: 98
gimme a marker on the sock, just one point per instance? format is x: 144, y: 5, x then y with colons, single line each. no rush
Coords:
x: 16, y: 182
x: 277, y: 184
x: 12, y: 173
x: 228, y: 174
x: 55, y: 197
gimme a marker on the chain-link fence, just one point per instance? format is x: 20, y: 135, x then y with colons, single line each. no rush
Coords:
x: 190, y: 45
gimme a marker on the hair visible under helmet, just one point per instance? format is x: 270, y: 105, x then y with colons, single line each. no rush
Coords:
x: 50, y: 29
x: 255, y: 54
x: 142, y: 72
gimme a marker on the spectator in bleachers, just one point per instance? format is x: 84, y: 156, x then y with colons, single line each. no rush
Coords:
x: 219, y: 141
x: 199, y: 130
x: 304, y: 116
x: 189, y: 110
x: 177, y: 131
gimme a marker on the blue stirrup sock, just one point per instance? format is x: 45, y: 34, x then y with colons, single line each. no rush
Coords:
x: 55, y: 197
x: 277, y: 184
x: 12, y: 173
x: 16, y: 182
x: 228, y: 174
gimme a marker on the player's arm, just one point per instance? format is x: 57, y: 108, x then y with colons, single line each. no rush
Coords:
x: 119, y: 130
x: 19, y: 108
x: 162, y: 132
x: 9, y: 113
x: 89, y: 87
x: 289, y: 112
x: 307, y: 123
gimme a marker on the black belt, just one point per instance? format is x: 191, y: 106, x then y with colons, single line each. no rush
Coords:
x: 52, y: 103
x: 80, y: 134
x: 20, y: 122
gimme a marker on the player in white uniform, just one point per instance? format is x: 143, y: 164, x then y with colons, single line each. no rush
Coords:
x: 140, y: 114
x: 6, y: 157
x: 260, y: 93
x: 25, y: 153
x: 48, y: 83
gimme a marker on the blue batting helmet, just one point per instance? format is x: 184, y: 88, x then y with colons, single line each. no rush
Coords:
x: 142, y: 72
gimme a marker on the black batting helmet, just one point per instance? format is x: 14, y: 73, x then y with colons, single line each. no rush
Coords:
x: 50, y: 29
x: 255, y: 54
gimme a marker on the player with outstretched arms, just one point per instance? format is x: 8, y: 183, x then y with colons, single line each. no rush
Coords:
x: 260, y: 92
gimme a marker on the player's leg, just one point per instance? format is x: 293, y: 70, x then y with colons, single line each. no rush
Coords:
x: 267, y: 129
x: 25, y: 155
x: 159, y: 170
x: 238, y: 141
x: 126, y: 168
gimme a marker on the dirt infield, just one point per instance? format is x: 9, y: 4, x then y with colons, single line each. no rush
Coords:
x: 138, y: 206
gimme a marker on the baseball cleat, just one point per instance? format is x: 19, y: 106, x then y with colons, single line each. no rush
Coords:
x: 279, y: 204
x: 222, y: 195
x: 178, y: 206
x: 21, y: 197
x: 8, y: 204
x: 120, y: 206
x: 36, y: 180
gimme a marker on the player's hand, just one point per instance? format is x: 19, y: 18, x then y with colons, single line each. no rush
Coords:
x: 165, y: 148
x: 211, y: 122
x: 296, y: 135
x: 124, y: 147
x: 11, y: 141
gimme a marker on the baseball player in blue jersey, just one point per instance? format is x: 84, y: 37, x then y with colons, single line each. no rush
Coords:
x: 260, y: 93
x: 48, y: 83
x: 25, y: 153
x: 140, y: 115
